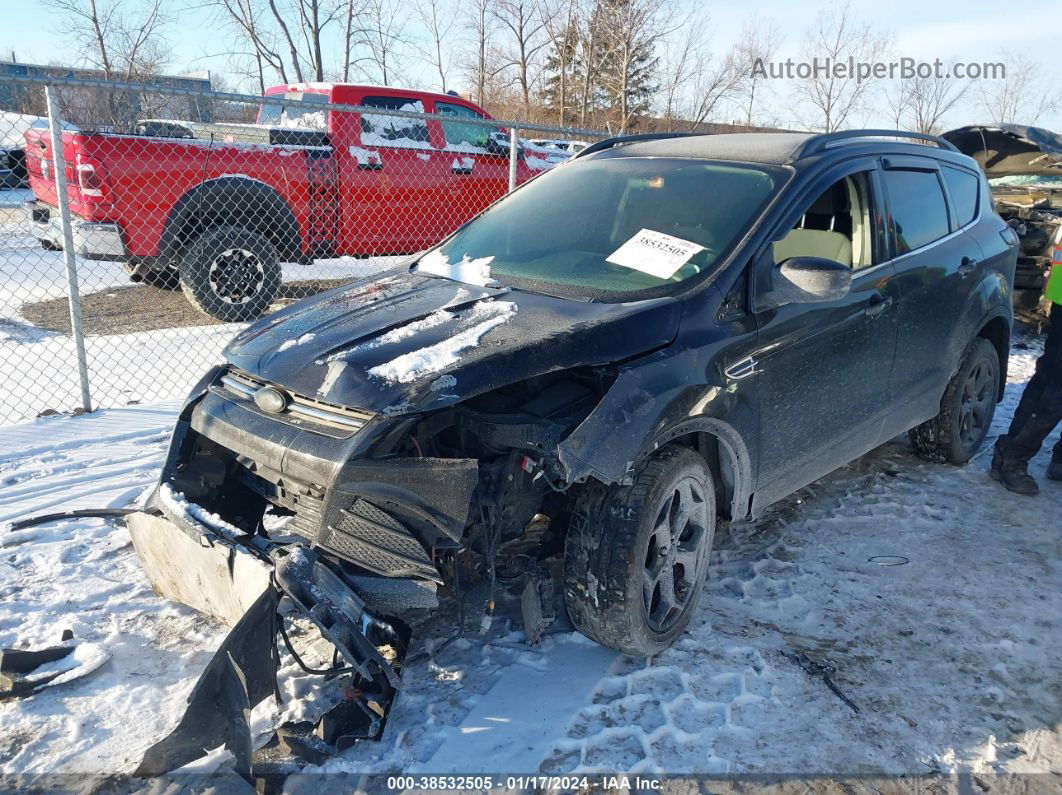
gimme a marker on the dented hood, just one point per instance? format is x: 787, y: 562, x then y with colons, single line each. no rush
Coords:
x: 1005, y: 149
x: 402, y: 342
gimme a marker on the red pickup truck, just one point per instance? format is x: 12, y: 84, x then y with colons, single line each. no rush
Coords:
x: 217, y: 207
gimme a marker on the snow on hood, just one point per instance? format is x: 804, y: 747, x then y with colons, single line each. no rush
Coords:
x: 403, y: 342
x: 470, y: 271
x: 1005, y: 149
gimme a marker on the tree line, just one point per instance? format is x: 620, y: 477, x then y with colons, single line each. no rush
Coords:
x: 620, y: 65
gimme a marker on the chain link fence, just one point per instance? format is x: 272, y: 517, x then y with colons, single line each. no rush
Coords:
x: 142, y: 226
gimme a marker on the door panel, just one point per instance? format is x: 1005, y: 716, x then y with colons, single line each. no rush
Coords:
x: 393, y: 181
x: 823, y: 369
x: 824, y: 382
x: 936, y: 273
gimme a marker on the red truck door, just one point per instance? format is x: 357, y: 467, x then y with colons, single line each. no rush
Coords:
x: 392, y: 180
x: 476, y: 161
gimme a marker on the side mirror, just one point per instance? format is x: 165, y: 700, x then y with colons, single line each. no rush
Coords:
x: 809, y: 280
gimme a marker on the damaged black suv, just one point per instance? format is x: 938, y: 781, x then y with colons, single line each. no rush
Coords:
x: 663, y: 332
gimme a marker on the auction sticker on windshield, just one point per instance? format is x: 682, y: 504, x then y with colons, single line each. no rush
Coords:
x: 654, y: 253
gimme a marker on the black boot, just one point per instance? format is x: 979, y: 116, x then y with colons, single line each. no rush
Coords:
x: 1015, y: 476
x: 1054, y: 470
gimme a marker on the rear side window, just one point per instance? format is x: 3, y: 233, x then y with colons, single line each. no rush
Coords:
x: 461, y: 135
x: 916, y: 204
x: 962, y: 187
x: 379, y: 129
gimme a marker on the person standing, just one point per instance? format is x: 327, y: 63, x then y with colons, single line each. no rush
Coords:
x: 1040, y: 407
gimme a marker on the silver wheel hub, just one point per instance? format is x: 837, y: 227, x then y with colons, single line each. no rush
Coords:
x: 676, y: 554
x: 236, y: 276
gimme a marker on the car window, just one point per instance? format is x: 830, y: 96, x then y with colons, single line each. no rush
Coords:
x: 616, y: 225
x: 302, y: 115
x: 962, y: 187
x: 919, y: 213
x: 460, y: 135
x: 838, y: 225
x: 381, y: 129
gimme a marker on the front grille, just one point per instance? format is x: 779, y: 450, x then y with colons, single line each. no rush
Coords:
x: 373, y: 539
x: 238, y: 385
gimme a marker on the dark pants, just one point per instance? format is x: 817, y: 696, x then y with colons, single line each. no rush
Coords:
x: 1040, y: 408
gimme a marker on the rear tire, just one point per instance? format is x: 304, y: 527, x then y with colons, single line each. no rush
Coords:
x: 231, y: 273
x: 966, y: 410
x: 636, y: 556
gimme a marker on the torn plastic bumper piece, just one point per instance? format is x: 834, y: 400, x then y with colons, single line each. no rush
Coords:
x: 218, y: 575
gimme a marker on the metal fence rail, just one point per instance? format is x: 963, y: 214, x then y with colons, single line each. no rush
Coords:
x: 142, y: 226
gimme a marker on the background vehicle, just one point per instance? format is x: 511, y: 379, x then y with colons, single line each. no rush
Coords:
x: 712, y: 323
x: 219, y: 211
x: 1024, y: 167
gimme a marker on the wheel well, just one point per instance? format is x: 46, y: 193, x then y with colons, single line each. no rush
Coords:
x: 232, y: 201
x: 997, y: 331
x: 720, y: 464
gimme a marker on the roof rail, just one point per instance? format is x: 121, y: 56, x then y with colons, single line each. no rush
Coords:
x: 621, y: 140
x: 818, y: 143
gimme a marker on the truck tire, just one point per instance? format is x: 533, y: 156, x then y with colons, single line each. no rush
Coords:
x: 966, y: 410
x: 636, y: 556
x: 230, y: 273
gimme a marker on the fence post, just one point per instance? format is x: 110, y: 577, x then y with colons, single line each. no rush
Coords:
x: 514, y: 137
x: 59, y: 163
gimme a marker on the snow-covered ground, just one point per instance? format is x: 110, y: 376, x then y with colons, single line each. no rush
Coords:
x: 952, y: 657
x: 38, y: 370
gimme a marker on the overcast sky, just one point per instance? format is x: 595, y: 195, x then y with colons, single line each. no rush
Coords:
x: 964, y: 30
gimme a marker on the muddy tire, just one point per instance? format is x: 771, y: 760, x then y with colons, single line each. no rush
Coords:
x: 636, y: 556
x: 231, y: 273
x: 966, y: 410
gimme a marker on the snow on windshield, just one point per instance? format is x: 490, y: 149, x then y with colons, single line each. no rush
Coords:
x: 435, y: 358
x: 470, y: 271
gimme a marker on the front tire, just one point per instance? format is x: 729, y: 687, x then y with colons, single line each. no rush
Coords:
x: 231, y: 273
x: 966, y: 410
x: 636, y: 556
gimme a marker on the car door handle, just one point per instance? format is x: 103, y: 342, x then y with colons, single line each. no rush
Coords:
x: 877, y: 305
x: 967, y: 266
x: 742, y: 368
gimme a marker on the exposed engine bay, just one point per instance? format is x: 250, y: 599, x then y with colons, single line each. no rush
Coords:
x: 355, y: 544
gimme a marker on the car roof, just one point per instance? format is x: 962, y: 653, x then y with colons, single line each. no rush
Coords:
x: 778, y: 148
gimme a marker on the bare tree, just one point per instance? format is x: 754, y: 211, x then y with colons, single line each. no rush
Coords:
x: 759, y: 41
x: 523, y: 32
x: 477, y: 18
x: 121, y: 38
x: 1019, y: 96
x: 633, y: 33
x: 830, y: 96
x: 931, y: 98
x: 560, y: 21
x: 385, y: 36
x: 437, y: 19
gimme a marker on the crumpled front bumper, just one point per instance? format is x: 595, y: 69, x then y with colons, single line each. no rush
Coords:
x: 241, y: 580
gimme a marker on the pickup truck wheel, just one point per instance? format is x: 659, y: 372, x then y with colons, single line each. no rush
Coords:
x: 636, y: 556
x: 231, y: 273
x: 966, y: 410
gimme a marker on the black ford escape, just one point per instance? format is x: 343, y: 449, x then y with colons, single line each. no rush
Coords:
x: 662, y: 332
